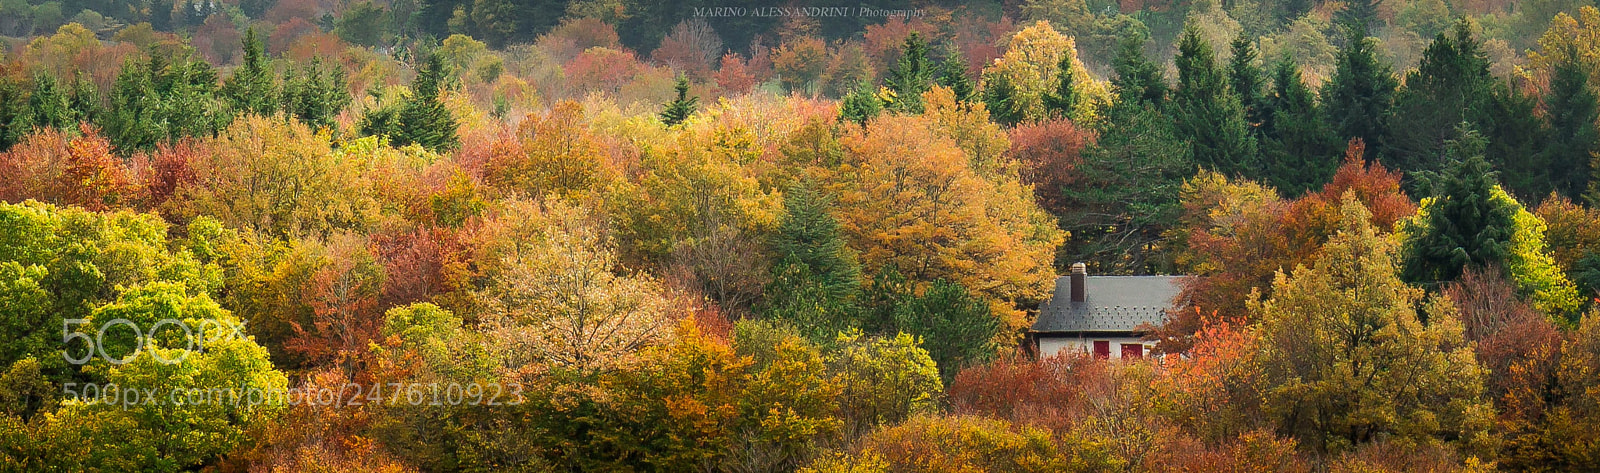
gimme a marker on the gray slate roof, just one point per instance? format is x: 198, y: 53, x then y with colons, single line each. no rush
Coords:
x: 1114, y: 304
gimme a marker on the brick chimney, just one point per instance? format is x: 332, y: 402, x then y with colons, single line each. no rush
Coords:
x: 1080, y: 276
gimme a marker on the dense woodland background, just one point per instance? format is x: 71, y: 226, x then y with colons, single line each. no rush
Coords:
x: 803, y: 243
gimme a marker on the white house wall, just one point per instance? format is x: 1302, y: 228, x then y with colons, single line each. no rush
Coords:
x: 1052, y: 346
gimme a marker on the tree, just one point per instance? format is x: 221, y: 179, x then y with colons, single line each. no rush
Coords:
x: 1206, y: 112
x: 1062, y: 101
x: 1299, y: 149
x: 1001, y: 98
x: 911, y: 76
x: 1450, y: 86
x: 882, y: 381
x: 50, y: 104
x: 422, y: 118
x: 1127, y: 193
x: 316, y: 94
x: 1138, y: 79
x: 681, y: 108
x: 953, y: 74
x: 16, y: 120
x: 250, y: 89
x: 1359, y: 96
x: 1470, y: 222
x: 860, y: 105
x: 362, y: 23
x: 1572, y: 111
x: 1029, y: 70
x: 1349, y: 360
x: 1247, y: 81
x: 965, y: 443
x: 954, y: 326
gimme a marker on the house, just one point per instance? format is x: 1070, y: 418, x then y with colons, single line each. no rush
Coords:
x: 1102, y: 314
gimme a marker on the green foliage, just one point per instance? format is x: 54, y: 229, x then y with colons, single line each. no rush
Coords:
x: 1208, y: 114
x: 1359, y: 97
x: 1299, y: 149
x: 1471, y: 222
x: 316, y: 94
x: 912, y: 75
x: 1350, y: 362
x: 953, y: 74
x: 1572, y: 110
x: 16, y: 120
x: 251, y: 89
x: 860, y: 105
x: 679, y: 109
x: 1247, y: 80
x: 1061, y: 101
x: 816, y: 279
x: 1452, y: 85
x: 1128, y: 193
x: 1138, y: 78
x: 363, y: 23
x: 50, y: 104
x: 1000, y: 97
x: 954, y: 326
x: 164, y: 99
x: 882, y: 380
x: 422, y: 118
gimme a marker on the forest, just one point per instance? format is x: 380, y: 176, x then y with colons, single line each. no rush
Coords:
x: 623, y: 235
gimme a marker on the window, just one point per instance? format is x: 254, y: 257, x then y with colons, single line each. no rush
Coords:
x: 1102, y: 349
x: 1132, y: 350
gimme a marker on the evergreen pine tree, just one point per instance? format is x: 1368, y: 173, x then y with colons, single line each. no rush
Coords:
x: 1000, y: 96
x: 85, y: 99
x: 161, y: 15
x: 1358, y: 98
x: 816, y: 279
x: 1247, y: 80
x: 15, y: 118
x: 910, y: 76
x: 251, y: 90
x: 50, y: 105
x: 1451, y: 85
x: 681, y: 108
x: 315, y: 95
x: 1572, y: 112
x: 1128, y: 191
x: 1358, y: 13
x: 953, y: 74
x: 860, y: 105
x: 1465, y: 224
x: 1061, y: 101
x: 1138, y: 78
x: 1517, y: 136
x: 1207, y: 113
x: 1300, y: 150
x: 955, y: 327
x: 423, y: 119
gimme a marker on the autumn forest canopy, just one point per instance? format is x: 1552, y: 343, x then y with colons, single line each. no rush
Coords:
x: 623, y: 235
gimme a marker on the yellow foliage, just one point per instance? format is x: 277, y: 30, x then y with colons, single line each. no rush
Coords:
x: 1031, y: 63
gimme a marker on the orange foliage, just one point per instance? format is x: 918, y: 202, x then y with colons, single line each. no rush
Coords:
x: 343, y: 296
x: 732, y: 76
x: 1048, y: 393
x: 286, y: 34
x: 52, y: 166
x: 1050, y: 152
x: 601, y: 69
x: 883, y: 42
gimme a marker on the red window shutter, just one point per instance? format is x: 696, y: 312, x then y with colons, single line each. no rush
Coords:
x: 1132, y: 350
x: 1102, y: 349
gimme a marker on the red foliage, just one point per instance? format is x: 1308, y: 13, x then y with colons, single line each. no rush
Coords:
x: 315, y: 44
x: 418, y: 265
x: 1049, y: 152
x: 1050, y: 393
x: 285, y: 35
x: 168, y: 168
x: 883, y: 42
x: 290, y: 10
x: 572, y: 37
x: 981, y: 41
x: 601, y: 69
x: 733, y: 77
x: 217, y: 40
x: 1519, y: 346
x: 343, y: 296
x: 49, y: 167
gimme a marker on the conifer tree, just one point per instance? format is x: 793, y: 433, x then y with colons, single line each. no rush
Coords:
x: 1466, y: 225
x: 1247, y: 80
x: 1517, y: 136
x: 910, y: 76
x: 1060, y: 102
x: 1000, y: 97
x: 315, y: 95
x: 50, y: 104
x: 250, y: 90
x: 422, y: 119
x: 1138, y: 78
x: 85, y: 98
x: 15, y: 118
x: 816, y: 278
x: 1451, y: 85
x: 1208, y: 114
x: 1128, y: 191
x: 679, y: 109
x: 953, y: 74
x: 1299, y: 149
x: 1358, y: 98
x: 860, y: 105
x: 1574, y: 141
